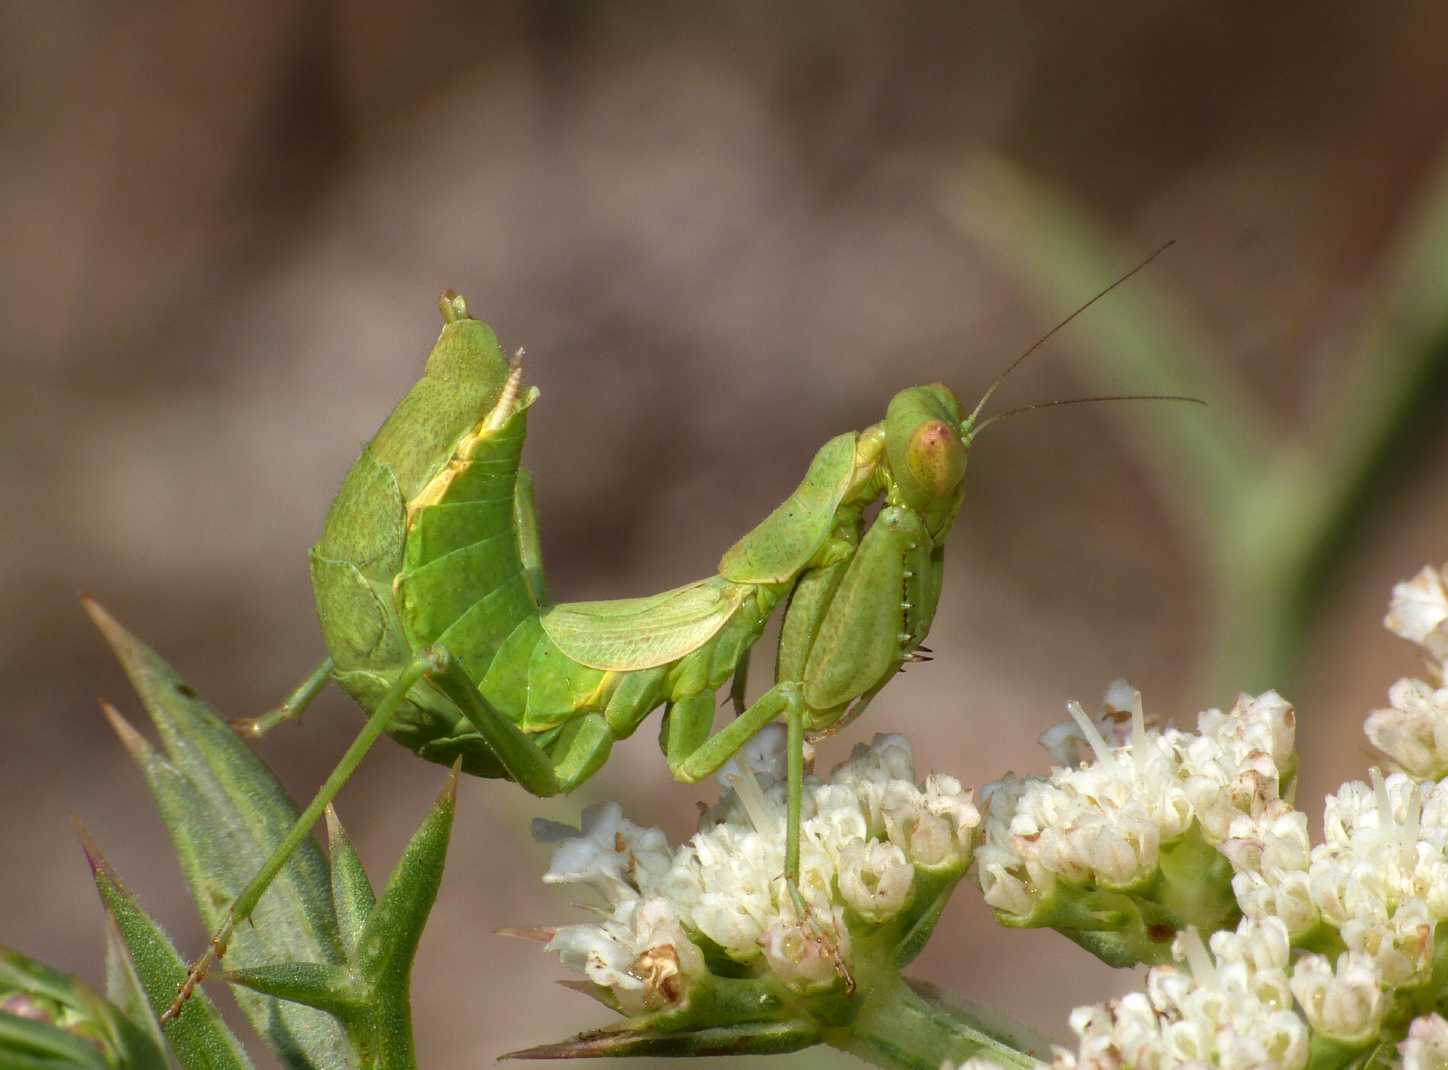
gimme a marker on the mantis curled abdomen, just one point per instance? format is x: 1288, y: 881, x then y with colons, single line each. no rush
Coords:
x: 418, y: 555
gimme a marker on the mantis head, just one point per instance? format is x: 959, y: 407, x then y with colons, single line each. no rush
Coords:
x: 926, y: 447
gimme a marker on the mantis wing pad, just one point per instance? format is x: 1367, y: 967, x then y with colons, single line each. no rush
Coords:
x: 642, y: 633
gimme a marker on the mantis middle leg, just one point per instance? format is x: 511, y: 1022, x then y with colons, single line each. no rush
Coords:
x: 693, y: 754
x: 291, y: 708
x: 847, y: 630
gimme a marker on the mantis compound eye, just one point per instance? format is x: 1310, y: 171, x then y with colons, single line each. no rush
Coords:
x: 936, y: 457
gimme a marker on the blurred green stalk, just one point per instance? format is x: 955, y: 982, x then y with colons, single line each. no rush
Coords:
x: 1272, y: 518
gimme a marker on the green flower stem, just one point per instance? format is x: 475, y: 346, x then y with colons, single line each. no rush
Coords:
x: 910, y: 1026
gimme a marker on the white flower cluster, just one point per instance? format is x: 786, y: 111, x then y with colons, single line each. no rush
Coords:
x: 866, y: 836
x: 1380, y: 879
x: 1231, y: 1008
x: 1105, y: 823
x: 1379, y: 882
x: 1413, y: 729
x: 1235, y: 1011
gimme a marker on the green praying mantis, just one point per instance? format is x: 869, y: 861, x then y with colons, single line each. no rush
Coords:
x: 429, y: 588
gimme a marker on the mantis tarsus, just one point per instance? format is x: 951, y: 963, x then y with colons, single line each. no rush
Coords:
x: 429, y: 588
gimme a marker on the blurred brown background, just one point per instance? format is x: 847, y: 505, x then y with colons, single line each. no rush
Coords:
x: 724, y: 233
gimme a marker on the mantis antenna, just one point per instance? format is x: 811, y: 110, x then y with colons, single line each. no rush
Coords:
x: 970, y: 436
x: 1039, y: 342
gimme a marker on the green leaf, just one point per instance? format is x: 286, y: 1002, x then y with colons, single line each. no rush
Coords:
x: 225, y: 811
x: 51, y: 1020
x: 26, y: 1043
x: 199, y: 1038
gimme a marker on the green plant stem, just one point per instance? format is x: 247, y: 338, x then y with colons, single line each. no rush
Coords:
x: 910, y: 1026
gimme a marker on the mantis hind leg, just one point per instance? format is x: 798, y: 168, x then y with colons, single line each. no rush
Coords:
x: 573, y: 759
x: 249, y: 896
x: 582, y: 751
x: 292, y: 707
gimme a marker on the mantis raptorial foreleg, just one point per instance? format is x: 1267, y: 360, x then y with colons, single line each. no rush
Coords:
x: 291, y: 708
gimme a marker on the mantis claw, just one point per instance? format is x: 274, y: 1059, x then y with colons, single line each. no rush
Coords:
x: 247, y: 727
x: 810, y: 922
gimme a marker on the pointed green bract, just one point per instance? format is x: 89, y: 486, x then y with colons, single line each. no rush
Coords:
x: 325, y: 987
x: 225, y: 812
x: 221, y: 768
x: 199, y: 1038
x: 125, y: 988
x: 352, y: 897
x: 370, y: 993
x: 384, y: 952
x: 750, y: 1038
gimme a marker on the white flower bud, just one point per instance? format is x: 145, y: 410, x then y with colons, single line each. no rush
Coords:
x: 935, y: 827
x: 1261, y: 945
x: 804, y: 954
x: 838, y: 820
x: 1003, y: 890
x: 641, y: 954
x: 1401, y: 947
x: 875, y: 879
x: 1286, y: 896
x: 1418, y: 611
x: 1413, y: 732
x: 1426, y: 1047
x: 612, y: 854
x: 1346, y: 1004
